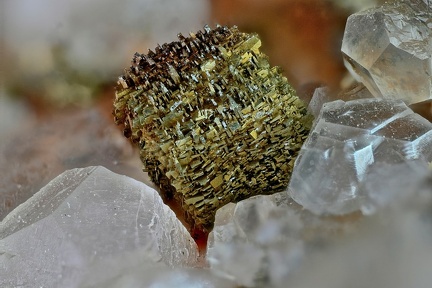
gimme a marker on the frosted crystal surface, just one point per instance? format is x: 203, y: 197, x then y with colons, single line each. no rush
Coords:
x: 389, y: 49
x: 246, y: 243
x: 348, y: 139
x: 135, y: 271
x: 260, y: 241
x: 268, y: 241
x: 391, y: 248
x: 88, y: 218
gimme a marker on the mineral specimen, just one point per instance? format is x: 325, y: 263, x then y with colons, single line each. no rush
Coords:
x: 87, y: 220
x: 389, y: 49
x: 268, y: 241
x: 389, y: 249
x: 347, y: 140
x: 257, y: 241
x: 262, y: 241
x: 214, y: 121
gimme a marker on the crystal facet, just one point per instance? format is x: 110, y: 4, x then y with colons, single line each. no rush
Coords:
x: 214, y: 121
x: 347, y: 140
x: 87, y: 218
x: 389, y: 49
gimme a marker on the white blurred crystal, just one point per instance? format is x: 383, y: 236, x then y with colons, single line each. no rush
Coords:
x: 84, y: 218
x: 262, y: 241
x: 348, y: 139
x: 390, y: 249
x: 389, y: 49
x: 135, y: 271
x: 267, y: 241
x: 255, y: 242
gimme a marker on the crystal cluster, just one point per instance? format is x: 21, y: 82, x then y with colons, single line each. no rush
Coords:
x: 348, y: 139
x: 89, y: 220
x: 391, y: 248
x: 214, y: 121
x: 389, y: 49
x: 267, y: 241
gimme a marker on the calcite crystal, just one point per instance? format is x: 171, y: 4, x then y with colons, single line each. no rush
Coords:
x: 262, y: 241
x: 90, y: 220
x: 349, y: 139
x: 389, y: 49
x: 268, y: 241
x: 214, y: 121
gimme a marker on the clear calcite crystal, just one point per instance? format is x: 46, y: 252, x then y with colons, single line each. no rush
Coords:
x: 389, y: 49
x: 347, y: 140
x: 89, y: 218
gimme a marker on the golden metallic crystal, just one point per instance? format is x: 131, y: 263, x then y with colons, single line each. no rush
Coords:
x: 215, y: 123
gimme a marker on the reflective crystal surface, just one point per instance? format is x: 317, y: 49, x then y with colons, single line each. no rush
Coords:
x: 389, y: 49
x: 89, y: 218
x: 347, y: 141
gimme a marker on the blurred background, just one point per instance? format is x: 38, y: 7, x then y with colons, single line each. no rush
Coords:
x: 60, y: 59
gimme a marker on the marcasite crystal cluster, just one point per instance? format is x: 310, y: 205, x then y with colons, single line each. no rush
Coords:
x: 389, y: 49
x: 214, y: 122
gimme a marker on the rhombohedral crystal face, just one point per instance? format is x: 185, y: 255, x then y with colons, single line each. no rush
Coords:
x: 215, y: 123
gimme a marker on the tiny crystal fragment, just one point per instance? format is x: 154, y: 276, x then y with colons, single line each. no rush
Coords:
x: 214, y: 121
x: 389, y: 49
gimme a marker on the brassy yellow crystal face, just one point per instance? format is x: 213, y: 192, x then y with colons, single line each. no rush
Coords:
x: 215, y: 123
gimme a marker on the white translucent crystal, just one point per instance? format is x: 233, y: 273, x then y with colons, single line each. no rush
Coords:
x: 138, y: 273
x: 389, y: 49
x: 323, y: 95
x: 347, y: 140
x: 320, y: 96
x: 268, y: 241
x: 385, y: 184
x: 390, y: 249
x: 87, y: 218
x: 262, y: 241
x: 255, y: 242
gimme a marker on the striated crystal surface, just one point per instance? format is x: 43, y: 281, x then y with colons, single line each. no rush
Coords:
x: 389, y: 49
x: 214, y: 121
x: 347, y: 140
x: 86, y: 218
